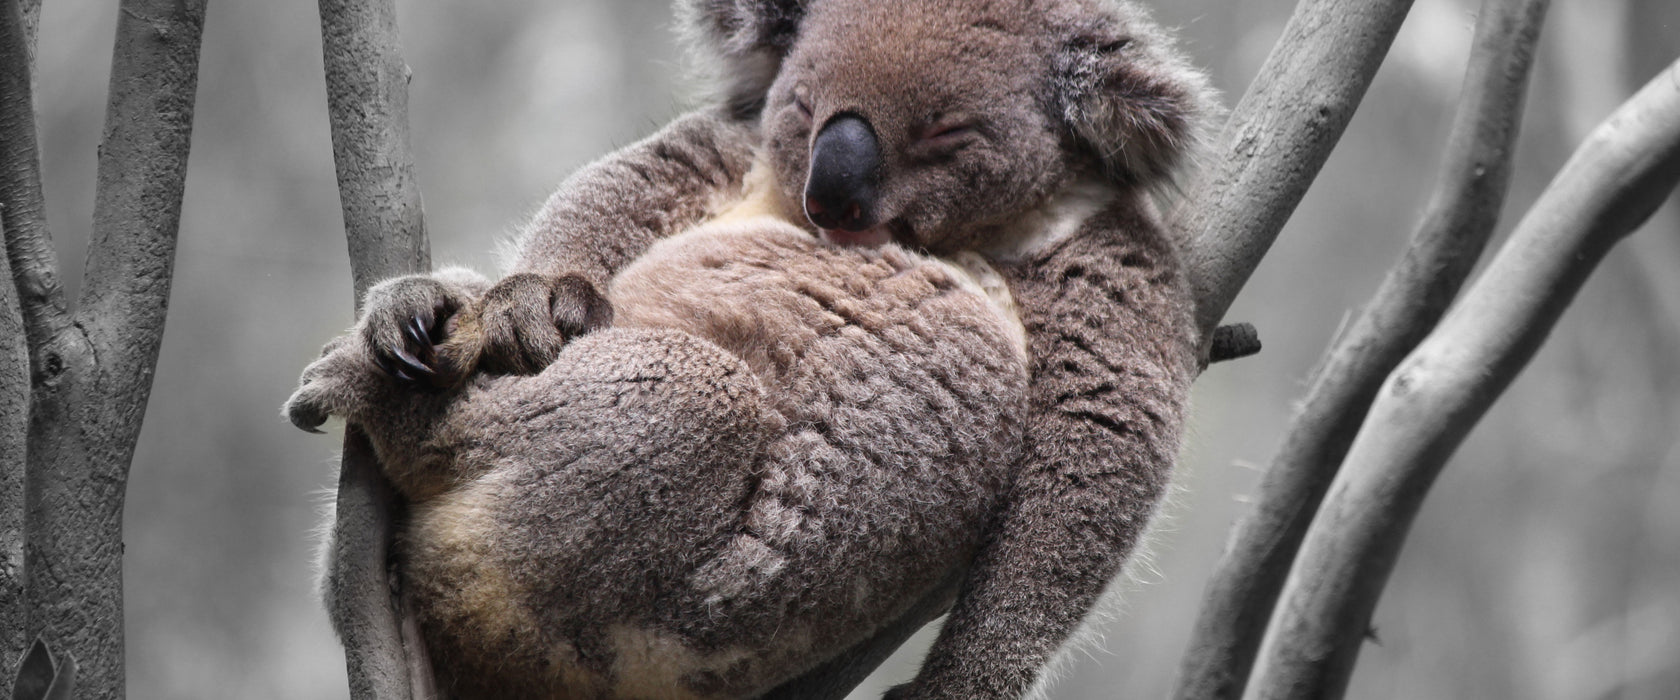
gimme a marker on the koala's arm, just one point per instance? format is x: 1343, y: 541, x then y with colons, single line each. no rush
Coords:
x: 610, y: 211
x: 599, y: 219
x: 1109, y: 319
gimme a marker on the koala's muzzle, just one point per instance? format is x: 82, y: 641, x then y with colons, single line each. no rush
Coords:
x: 840, y: 192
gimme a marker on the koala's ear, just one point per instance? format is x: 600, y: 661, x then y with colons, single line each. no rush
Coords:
x: 1126, y: 94
x: 742, y: 42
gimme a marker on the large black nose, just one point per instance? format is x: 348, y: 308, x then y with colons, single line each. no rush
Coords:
x: 845, y: 169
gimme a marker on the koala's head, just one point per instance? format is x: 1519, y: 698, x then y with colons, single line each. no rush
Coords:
x: 933, y: 122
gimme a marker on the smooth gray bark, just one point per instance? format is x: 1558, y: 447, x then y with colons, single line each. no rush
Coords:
x: 1449, y: 239
x: 367, y: 100
x: 1276, y: 140
x: 93, y: 370
x: 1626, y: 168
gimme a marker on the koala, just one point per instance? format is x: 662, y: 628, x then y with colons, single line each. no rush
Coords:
x: 1029, y: 137
x: 694, y: 501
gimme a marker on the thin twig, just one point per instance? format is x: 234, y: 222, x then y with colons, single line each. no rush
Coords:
x: 1277, y: 139
x: 1455, y: 228
x: 1614, y: 181
x: 367, y: 99
x: 92, y: 378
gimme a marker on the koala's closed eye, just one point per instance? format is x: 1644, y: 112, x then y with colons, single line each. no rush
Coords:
x: 949, y: 133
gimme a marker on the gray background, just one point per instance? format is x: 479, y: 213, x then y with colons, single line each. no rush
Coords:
x: 1546, y: 564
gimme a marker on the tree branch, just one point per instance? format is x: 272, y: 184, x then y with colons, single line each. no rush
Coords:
x: 14, y: 344
x: 1277, y: 139
x: 367, y: 98
x: 14, y: 450
x: 92, y: 377
x: 22, y: 211
x: 1615, y: 180
x: 1455, y: 228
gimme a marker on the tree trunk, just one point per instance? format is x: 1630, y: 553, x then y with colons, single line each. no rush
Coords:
x: 91, y: 369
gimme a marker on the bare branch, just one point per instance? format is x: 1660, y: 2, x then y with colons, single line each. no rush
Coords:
x: 31, y: 26
x: 14, y: 339
x: 367, y: 98
x: 22, y: 210
x: 1277, y: 139
x: 137, y: 205
x: 14, y: 443
x: 1615, y: 180
x: 92, y: 378
x: 1455, y: 228
x: 359, y: 585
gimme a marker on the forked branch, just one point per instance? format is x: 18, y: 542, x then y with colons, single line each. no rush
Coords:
x: 90, y: 377
x: 1455, y: 228
x: 1613, y: 182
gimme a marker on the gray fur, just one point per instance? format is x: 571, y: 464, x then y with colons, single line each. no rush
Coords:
x: 847, y: 500
x: 764, y: 400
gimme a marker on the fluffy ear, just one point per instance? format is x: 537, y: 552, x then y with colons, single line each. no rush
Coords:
x: 1127, y: 94
x: 742, y: 42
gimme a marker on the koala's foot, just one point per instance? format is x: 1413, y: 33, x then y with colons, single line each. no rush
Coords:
x: 526, y: 318
x: 335, y: 384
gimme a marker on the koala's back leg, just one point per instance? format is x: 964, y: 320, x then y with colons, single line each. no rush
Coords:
x: 609, y: 478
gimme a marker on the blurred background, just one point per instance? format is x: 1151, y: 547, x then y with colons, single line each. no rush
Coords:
x: 1545, y: 565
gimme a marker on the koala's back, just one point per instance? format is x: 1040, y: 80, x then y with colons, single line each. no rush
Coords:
x: 699, y: 501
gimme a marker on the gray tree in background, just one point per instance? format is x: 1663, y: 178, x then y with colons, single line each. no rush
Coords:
x: 74, y: 380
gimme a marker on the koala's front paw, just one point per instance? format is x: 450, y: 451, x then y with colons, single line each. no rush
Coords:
x: 526, y: 318
x: 405, y: 323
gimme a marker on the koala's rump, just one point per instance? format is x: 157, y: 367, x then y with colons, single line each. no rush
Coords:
x: 838, y: 464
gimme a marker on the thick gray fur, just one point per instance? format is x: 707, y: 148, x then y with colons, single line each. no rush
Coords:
x: 624, y: 487
x: 780, y: 410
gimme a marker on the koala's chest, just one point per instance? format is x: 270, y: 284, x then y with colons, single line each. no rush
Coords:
x: 791, y: 306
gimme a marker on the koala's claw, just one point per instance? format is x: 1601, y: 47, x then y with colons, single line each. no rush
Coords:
x: 413, y: 359
x: 418, y: 361
x: 405, y: 319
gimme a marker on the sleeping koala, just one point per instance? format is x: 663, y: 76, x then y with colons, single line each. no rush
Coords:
x: 778, y: 444
x: 1027, y: 134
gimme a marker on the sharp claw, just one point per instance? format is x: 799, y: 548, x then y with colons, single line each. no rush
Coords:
x: 385, y: 363
x: 432, y: 325
x: 399, y: 374
x: 413, y: 363
x: 421, y: 340
x: 416, y: 331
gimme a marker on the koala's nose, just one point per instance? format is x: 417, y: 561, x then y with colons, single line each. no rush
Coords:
x: 840, y: 192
